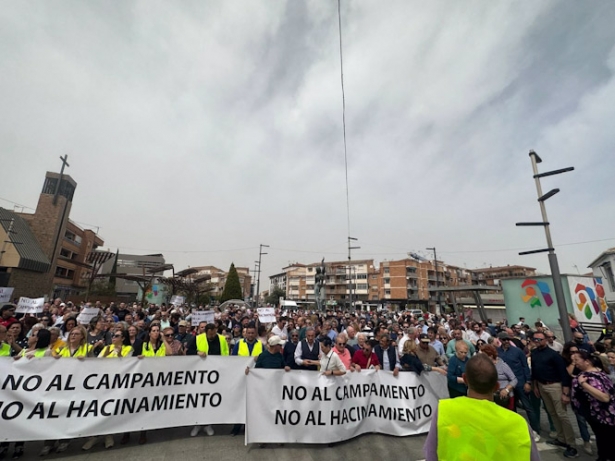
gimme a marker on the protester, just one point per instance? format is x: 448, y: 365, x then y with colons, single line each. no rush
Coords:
x: 271, y: 357
x: 593, y: 397
x: 307, y: 352
x: 76, y: 345
x: 507, y: 380
x: 153, y: 346
x: 342, y: 350
x: 5, y: 347
x: 330, y: 363
x: 456, y: 368
x: 569, y: 351
x: 474, y: 427
x: 387, y: 355
x: 38, y: 345
x: 365, y: 359
x: 552, y: 382
x: 517, y: 361
x: 409, y: 361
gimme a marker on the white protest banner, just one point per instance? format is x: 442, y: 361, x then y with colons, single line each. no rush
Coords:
x: 47, y: 398
x: 307, y: 407
x: 30, y: 305
x: 177, y: 300
x: 266, y: 314
x: 87, y: 314
x: 5, y: 294
x: 201, y: 316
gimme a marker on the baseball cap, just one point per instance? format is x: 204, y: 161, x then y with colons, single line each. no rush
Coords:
x: 275, y: 341
x: 424, y: 338
x: 503, y: 335
x: 183, y: 323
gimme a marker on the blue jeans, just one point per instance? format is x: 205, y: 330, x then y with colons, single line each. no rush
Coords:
x: 583, y: 429
x: 533, y: 413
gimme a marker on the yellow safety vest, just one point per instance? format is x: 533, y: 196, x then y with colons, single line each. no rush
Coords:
x: 471, y: 429
x: 126, y: 351
x: 5, y: 350
x: 148, y: 350
x: 83, y: 351
x: 203, y: 346
x: 243, y: 350
x: 37, y: 353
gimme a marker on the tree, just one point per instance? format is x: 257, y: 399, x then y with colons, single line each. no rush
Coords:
x: 232, y: 287
x: 274, y: 296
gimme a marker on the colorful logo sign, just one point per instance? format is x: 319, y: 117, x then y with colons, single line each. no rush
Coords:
x: 590, y: 300
x: 531, y: 294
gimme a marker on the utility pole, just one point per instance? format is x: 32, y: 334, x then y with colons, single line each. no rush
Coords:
x: 64, y: 163
x: 253, y: 280
x: 555, y: 274
x: 258, y: 280
x: 435, y: 258
x: 350, y: 248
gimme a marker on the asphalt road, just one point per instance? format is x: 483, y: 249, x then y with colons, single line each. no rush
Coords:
x: 176, y: 444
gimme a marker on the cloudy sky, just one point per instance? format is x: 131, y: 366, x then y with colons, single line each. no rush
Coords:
x: 201, y: 129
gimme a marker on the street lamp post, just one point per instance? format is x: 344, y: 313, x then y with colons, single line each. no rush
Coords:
x: 258, y: 280
x: 555, y: 273
x: 435, y: 258
x: 350, y: 248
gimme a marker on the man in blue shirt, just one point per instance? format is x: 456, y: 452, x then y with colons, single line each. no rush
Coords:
x: 517, y: 361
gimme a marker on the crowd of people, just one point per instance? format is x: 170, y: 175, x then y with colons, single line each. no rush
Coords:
x: 534, y: 370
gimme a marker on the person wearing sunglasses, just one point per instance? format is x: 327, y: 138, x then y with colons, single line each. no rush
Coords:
x: 120, y: 347
x: 552, y: 383
x: 517, y: 361
x: 289, y: 350
x: 343, y: 351
x: 174, y: 346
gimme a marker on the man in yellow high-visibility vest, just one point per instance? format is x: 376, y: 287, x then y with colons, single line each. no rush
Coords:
x: 474, y: 427
x: 209, y: 343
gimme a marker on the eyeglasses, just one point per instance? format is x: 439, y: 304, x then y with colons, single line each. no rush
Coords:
x: 117, y: 336
x: 537, y: 340
x: 169, y: 335
x: 341, y: 344
x: 504, y: 339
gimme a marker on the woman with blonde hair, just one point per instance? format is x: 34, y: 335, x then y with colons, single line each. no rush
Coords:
x: 409, y: 360
x: 76, y: 345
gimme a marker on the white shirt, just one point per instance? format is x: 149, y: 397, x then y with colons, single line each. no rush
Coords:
x: 556, y: 346
x: 281, y: 332
x: 299, y: 351
x: 473, y: 337
x: 331, y: 361
x: 400, y: 345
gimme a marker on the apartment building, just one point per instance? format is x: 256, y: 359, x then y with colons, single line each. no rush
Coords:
x: 218, y: 279
x: 493, y: 275
x: 130, y: 264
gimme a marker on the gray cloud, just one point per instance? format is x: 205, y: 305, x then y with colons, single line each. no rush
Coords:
x: 217, y: 126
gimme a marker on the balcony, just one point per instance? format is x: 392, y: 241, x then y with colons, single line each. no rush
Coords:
x: 412, y: 275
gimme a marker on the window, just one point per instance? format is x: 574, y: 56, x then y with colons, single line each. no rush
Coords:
x: 362, y: 286
x: 386, y: 270
x: 607, y: 269
x: 387, y: 280
x: 387, y: 292
x: 362, y: 276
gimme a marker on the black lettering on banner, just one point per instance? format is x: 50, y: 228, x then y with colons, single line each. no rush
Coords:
x: 218, y: 400
x: 427, y: 411
x: 179, y: 376
x: 160, y: 402
x: 16, y: 407
x: 164, y: 379
x: 421, y: 390
x: 92, y: 409
x: 213, y: 377
x: 103, y: 383
x: 293, y: 417
x: 73, y: 407
x: 103, y: 407
x: 136, y: 379
x: 314, y: 418
x: 56, y: 383
x: 86, y: 382
x: 290, y: 392
x: 179, y: 401
x: 144, y: 405
x: 149, y: 380
x: 190, y: 377
x: 38, y: 410
x: 385, y: 413
x: 120, y: 381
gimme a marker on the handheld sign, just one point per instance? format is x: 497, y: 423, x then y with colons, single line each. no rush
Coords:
x: 87, y: 314
x: 5, y: 294
x: 177, y: 300
x: 266, y: 314
x: 202, y: 316
x: 30, y: 306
